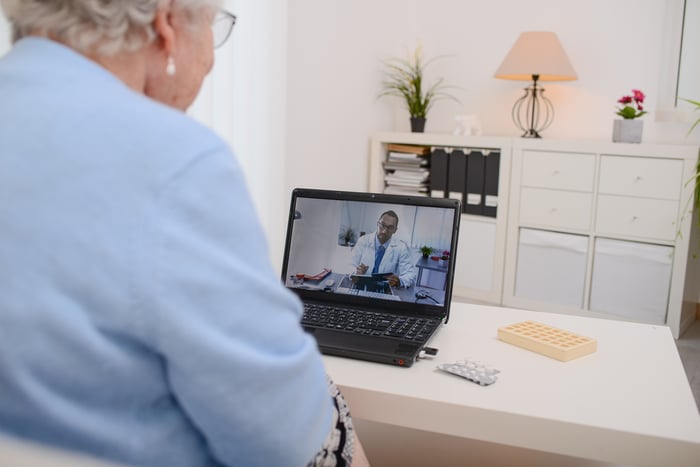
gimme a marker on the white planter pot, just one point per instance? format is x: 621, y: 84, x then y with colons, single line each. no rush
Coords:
x: 627, y: 130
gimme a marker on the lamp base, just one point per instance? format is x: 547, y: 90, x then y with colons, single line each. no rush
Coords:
x: 530, y: 133
x: 533, y: 112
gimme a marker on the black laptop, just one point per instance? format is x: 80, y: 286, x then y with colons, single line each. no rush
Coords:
x: 355, y: 261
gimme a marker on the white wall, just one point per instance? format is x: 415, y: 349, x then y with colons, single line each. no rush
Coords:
x: 334, y: 72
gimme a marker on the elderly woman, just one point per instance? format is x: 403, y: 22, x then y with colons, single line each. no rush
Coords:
x: 141, y: 319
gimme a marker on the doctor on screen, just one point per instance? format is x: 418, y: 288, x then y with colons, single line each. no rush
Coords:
x: 378, y: 253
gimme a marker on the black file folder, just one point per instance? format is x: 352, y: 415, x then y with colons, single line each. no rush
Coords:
x: 439, y: 165
x: 492, y: 165
x: 474, y: 199
x: 456, y: 175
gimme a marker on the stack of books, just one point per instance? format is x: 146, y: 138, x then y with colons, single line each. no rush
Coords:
x: 407, y: 170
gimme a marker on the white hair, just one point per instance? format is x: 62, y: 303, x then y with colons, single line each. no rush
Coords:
x: 104, y: 26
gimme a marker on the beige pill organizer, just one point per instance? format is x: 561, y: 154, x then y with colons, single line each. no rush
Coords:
x: 547, y: 340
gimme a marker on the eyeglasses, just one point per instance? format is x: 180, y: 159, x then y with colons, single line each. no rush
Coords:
x: 388, y: 228
x: 222, y: 26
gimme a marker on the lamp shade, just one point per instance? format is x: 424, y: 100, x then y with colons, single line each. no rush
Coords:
x: 537, y: 53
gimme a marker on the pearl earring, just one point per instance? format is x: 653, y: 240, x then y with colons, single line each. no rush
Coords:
x: 170, y: 69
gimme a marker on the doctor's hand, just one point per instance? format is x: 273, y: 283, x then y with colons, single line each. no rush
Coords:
x: 362, y: 268
x: 394, y: 280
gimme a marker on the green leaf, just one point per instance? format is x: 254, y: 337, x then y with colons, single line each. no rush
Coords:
x: 697, y: 122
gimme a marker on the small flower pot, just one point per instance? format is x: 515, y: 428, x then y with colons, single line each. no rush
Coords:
x: 417, y: 124
x: 627, y: 130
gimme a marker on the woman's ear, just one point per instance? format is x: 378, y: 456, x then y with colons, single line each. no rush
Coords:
x: 165, y: 32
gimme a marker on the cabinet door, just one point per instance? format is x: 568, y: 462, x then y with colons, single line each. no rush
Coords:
x: 475, y: 253
x: 551, y: 267
x: 631, y: 279
x: 432, y: 279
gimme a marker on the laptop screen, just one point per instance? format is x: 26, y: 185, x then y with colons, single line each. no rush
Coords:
x: 363, y: 248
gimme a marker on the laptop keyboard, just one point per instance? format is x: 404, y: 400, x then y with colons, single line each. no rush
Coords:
x: 368, y: 322
x: 365, y: 293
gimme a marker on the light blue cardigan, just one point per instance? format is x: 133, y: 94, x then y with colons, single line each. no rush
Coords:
x: 140, y: 318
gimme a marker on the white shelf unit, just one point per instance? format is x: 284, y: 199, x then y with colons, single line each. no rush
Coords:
x: 603, y: 229
x: 481, y: 250
x: 583, y: 227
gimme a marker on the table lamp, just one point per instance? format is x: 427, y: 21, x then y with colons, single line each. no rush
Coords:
x: 536, y: 56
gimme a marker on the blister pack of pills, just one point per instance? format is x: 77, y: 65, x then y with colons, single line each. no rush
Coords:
x: 473, y: 371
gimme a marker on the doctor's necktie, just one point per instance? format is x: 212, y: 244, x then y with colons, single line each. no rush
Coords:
x: 378, y: 258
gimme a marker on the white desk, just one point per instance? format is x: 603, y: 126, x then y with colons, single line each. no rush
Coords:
x: 629, y: 403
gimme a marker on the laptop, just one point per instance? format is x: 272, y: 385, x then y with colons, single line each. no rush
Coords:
x: 355, y: 261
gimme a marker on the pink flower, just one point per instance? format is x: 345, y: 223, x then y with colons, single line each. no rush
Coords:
x: 638, y: 96
x: 629, y: 103
x: 625, y: 100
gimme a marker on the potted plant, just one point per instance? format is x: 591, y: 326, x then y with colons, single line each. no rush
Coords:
x: 628, y: 129
x: 444, y: 259
x: 425, y: 251
x: 347, y: 237
x: 404, y: 78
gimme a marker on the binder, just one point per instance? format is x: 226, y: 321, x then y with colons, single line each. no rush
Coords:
x: 439, y: 165
x: 474, y: 202
x: 492, y: 169
x: 456, y: 175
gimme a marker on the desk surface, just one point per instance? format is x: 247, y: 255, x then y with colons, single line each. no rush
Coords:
x: 428, y: 263
x: 341, y: 280
x: 628, y: 403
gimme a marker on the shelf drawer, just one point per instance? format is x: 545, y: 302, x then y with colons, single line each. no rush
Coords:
x: 638, y: 176
x: 570, y: 171
x: 631, y: 279
x: 553, y: 208
x: 551, y: 267
x: 637, y: 217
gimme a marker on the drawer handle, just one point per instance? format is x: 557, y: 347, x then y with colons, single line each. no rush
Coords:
x: 555, y: 172
x: 634, y: 218
x: 553, y: 210
x: 638, y: 178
